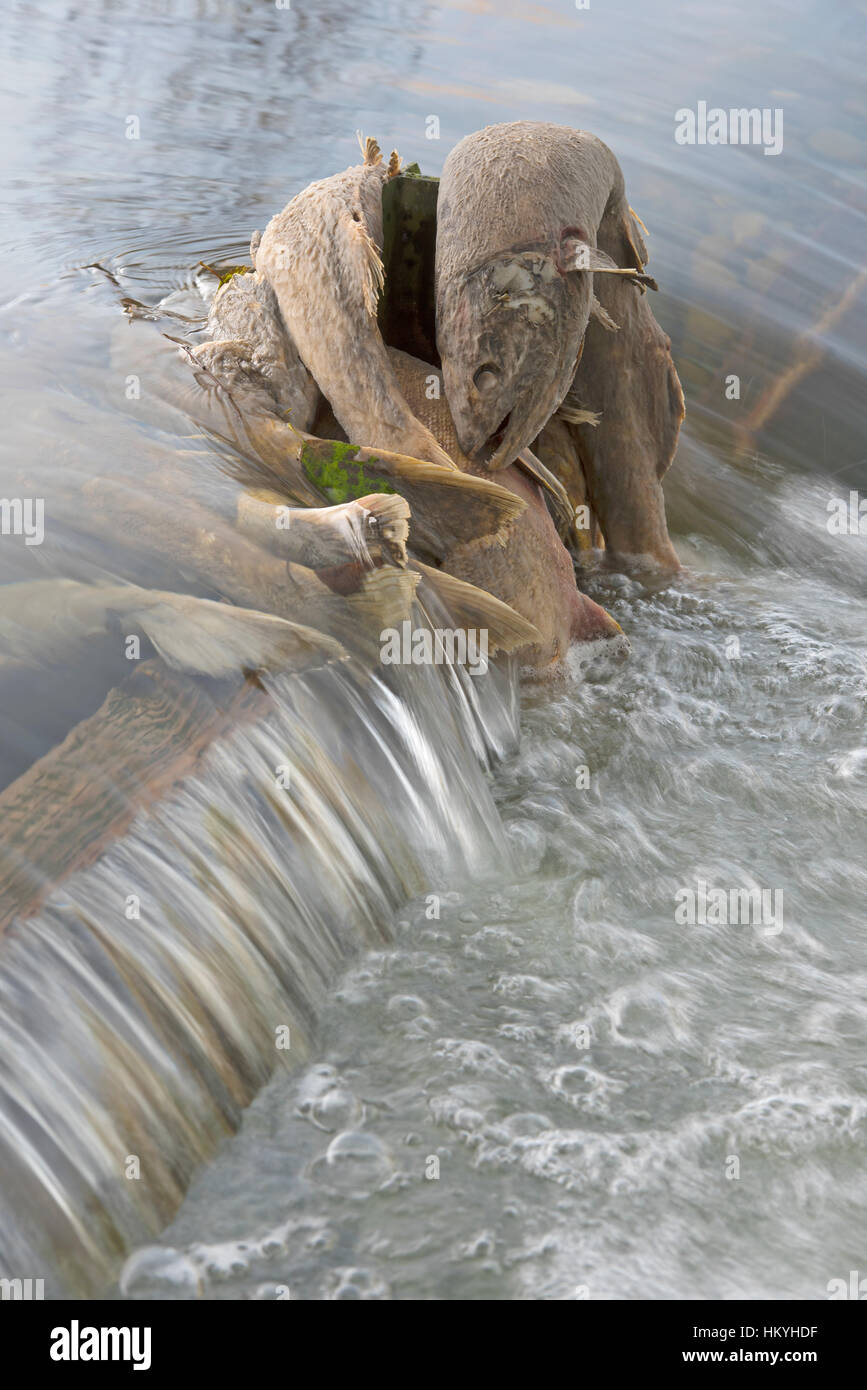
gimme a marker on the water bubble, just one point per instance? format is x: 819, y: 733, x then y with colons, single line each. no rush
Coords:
x: 313, y: 1085
x: 355, y: 1163
x: 337, y: 1109
x: 158, y: 1271
x: 222, y: 1262
x: 525, y: 1124
x: 405, y: 1006
x: 356, y: 1284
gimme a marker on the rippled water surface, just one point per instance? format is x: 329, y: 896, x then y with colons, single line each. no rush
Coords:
x: 545, y: 1086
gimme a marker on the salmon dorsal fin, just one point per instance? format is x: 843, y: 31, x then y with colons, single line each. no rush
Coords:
x: 369, y: 148
x: 374, y: 274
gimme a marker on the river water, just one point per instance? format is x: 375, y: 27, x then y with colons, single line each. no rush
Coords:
x: 534, y: 1081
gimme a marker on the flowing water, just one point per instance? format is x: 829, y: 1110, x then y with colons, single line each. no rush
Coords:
x: 518, y: 1073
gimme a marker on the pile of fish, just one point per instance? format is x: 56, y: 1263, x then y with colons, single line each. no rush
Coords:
x: 495, y: 328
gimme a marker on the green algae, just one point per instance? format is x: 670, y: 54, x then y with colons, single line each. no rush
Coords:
x: 333, y: 468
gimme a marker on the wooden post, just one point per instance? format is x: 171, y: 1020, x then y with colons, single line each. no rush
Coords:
x: 407, y: 308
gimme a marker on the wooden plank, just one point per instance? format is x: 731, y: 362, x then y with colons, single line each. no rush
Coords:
x: 149, y: 733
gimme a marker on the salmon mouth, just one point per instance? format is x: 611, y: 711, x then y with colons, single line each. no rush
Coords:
x: 494, y: 440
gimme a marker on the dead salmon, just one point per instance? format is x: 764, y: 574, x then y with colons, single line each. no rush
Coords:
x: 322, y: 256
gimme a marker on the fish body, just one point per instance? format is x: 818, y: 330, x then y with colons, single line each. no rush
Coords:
x: 194, y: 635
x: 628, y: 391
x: 250, y: 354
x: 322, y: 256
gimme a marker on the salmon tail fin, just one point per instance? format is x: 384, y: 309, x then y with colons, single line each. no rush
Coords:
x: 448, y: 507
x: 389, y: 524
x: 475, y: 608
x: 383, y: 599
x: 193, y: 635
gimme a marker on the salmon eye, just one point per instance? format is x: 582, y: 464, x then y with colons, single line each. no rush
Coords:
x: 486, y: 377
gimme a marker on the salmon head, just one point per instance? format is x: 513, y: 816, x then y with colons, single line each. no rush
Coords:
x: 509, y: 335
x: 520, y: 211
